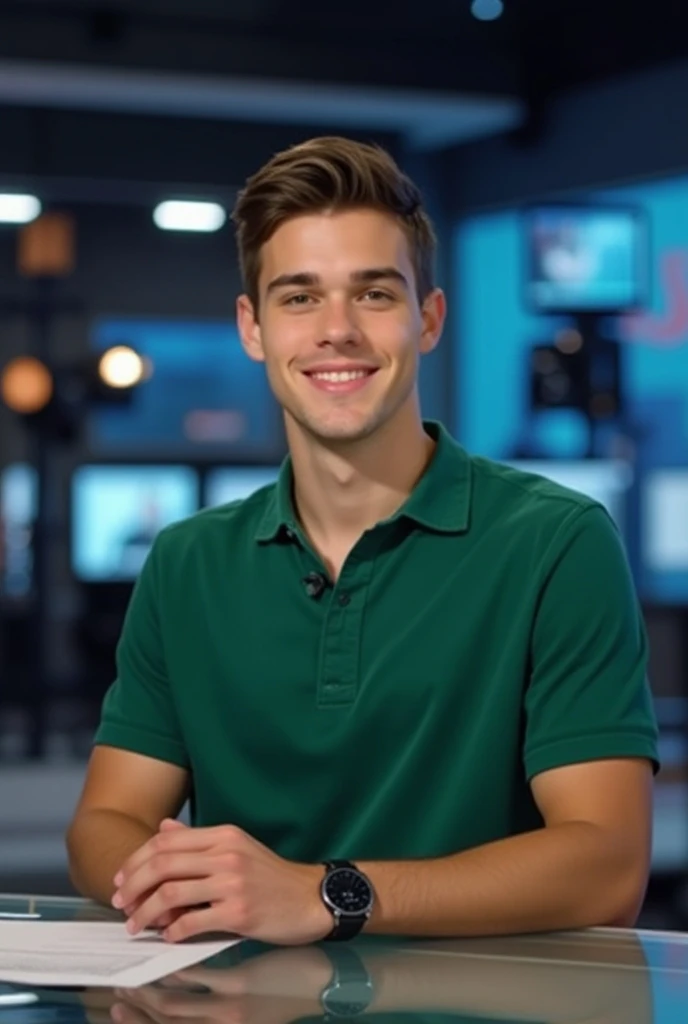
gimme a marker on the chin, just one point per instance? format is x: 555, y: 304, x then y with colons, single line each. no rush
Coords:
x: 341, y: 436
x: 334, y: 425
x: 343, y: 433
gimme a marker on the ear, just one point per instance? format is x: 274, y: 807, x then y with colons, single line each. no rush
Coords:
x: 433, y: 313
x: 249, y: 329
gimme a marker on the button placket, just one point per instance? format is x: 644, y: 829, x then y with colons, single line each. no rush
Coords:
x: 338, y: 682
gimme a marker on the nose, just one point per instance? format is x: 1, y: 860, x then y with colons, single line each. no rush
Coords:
x: 339, y: 324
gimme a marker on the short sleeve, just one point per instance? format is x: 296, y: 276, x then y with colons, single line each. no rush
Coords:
x: 138, y: 712
x: 588, y: 696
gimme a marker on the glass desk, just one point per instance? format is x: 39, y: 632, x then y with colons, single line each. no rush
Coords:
x: 601, y: 976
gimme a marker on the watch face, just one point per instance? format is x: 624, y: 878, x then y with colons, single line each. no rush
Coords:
x: 348, y: 891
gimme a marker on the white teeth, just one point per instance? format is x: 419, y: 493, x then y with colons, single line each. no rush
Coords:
x: 341, y: 378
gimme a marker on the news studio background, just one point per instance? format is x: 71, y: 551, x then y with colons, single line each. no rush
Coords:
x: 127, y: 402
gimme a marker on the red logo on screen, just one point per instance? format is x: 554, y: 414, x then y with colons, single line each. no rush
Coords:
x: 669, y: 328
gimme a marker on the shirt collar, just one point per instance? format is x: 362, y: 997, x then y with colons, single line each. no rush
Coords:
x: 440, y: 501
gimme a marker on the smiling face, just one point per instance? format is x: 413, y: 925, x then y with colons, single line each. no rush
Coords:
x: 340, y: 327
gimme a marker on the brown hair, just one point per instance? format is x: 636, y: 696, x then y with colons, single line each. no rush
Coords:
x: 323, y: 174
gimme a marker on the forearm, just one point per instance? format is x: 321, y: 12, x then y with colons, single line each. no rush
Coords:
x: 98, y: 843
x: 565, y: 876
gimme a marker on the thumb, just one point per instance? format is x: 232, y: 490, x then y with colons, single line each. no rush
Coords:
x: 169, y: 824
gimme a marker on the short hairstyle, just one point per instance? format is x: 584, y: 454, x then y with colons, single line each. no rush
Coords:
x: 328, y: 174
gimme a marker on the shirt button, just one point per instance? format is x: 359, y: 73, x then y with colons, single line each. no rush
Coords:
x: 344, y: 600
x: 289, y: 534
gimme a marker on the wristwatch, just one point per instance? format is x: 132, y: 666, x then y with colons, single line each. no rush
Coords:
x: 350, y: 992
x: 348, y: 895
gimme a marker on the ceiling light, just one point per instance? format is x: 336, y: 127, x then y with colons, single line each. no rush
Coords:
x: 487, y: 10
x: 179, y: 215
x: 18, y: 208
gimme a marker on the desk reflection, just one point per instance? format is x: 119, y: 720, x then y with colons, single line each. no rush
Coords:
x: 562, y: 980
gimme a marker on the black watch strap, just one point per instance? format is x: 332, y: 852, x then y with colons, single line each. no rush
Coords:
x: 346, y: 927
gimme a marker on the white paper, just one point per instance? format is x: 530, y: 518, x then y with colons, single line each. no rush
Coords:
x: 98, y: 953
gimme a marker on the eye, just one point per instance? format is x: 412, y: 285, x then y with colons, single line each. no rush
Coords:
x: 377, y: 295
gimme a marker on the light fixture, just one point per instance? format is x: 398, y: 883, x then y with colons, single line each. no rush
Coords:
x: 26, y: 385
x: 569, y: 341
x: 487, y: 10
x: 185, y: 215
x: 18, y: 208
x: 121, y: 367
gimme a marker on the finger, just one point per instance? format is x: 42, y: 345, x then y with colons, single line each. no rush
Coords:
x: 167, y: 918
x: 163, y: 921
x: 170, y: 824
x: 163, y: 868
x: 198, y: 922
x: 135, y: 860
x: 180, y: 895
x: 133, y: 905
x: 170, y: 840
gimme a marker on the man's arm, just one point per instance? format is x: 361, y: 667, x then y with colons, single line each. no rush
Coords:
x: 588, y: 866
x: 124, y: 799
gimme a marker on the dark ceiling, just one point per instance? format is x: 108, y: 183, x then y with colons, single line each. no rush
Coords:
x: 101, y: 98
x: 538, y: 47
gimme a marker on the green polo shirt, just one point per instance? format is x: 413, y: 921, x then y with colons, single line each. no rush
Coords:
x: 486, y: 632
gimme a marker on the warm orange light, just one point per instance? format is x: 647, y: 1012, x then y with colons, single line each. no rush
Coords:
x: 26, y: 385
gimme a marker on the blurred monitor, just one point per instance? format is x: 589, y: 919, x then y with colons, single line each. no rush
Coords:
x: 117, y: 512
x: 18, y: 509
x: 670, y: 797
x: 585, y: 259
x: 664, y: 532
x: 667, y: 634
x: 233, y: 483
x: 605, y: 480
x: 204, y: 395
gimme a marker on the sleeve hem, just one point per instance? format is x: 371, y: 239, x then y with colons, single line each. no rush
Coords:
x: 141, y: 742
x: 591, y: 748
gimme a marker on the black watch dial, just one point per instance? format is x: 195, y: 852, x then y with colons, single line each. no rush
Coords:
x: 348, y: 891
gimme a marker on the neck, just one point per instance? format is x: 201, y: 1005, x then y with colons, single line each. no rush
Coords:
x: 341, y: 491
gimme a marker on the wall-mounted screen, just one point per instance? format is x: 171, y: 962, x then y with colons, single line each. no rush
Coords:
x: 117, y: 511
x: 18, y: 506
x: 204, y: 396
x: 233, y: 483
x: 664, y: 544
x: 587, y: 259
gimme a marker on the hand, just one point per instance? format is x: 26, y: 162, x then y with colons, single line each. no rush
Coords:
x: 221, y: 880
x: 169, y: 916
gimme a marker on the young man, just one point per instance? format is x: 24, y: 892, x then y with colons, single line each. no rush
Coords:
x: 405, y: 687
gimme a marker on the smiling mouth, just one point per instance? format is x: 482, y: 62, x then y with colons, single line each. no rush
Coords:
x: 340, y: 376
x: 340, y: 381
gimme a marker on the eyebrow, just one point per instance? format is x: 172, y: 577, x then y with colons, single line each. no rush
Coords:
x: 368, y: 276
